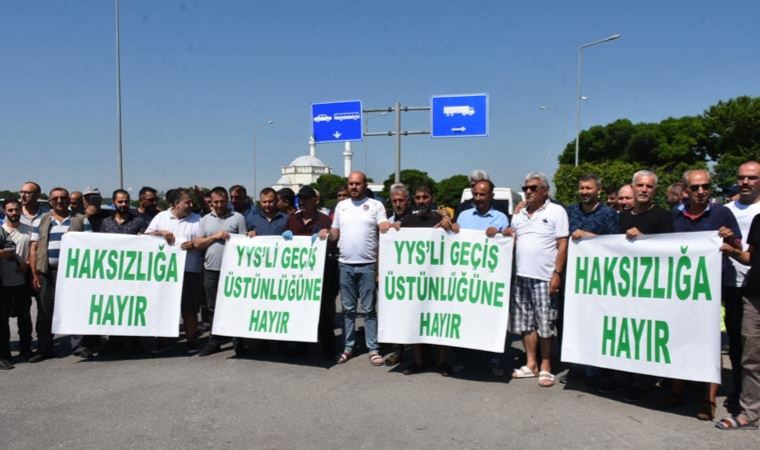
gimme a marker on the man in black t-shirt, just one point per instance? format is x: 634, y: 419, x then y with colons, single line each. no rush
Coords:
x: 645, y: 217
x: 425, y: 217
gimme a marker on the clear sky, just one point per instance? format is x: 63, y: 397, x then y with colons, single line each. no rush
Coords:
x: 198, y: 74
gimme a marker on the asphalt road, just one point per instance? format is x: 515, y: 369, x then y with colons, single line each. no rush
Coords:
x: 271, y: 401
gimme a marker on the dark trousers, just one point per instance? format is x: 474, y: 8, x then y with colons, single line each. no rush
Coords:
x: 732, y: 301
x: 15, y: 301
x: 45, y: 304
x: 330, y: 289
x: 211, y: 286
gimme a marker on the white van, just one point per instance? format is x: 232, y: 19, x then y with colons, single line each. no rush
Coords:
x: 504, y: 199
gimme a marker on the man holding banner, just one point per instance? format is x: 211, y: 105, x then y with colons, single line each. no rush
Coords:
x: 541, y: 231
x: 699, y: 214
x: 482, y: 217
x: 181, y: 225
x: 213, y: 233
x: 355, y: 226
x: 44, y: 256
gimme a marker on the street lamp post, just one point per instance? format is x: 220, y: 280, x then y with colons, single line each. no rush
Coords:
x: 118, y: 100
x: 578, y: 93
x: 268, y: 122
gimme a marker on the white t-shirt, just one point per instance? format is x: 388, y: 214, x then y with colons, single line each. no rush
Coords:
x: 744, y: 215
x: 536, y: 240
x: 184, y: 229
x: 357, y: 222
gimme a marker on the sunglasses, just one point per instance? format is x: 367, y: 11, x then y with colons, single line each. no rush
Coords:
x: 530, y: 188
x: 695, y: 187
x: 747, y: 177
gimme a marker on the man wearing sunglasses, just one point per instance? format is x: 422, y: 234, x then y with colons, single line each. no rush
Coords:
x: 541, y: 232
x: 43, y: 260
x: 745, y: 208
x: 698, y: 213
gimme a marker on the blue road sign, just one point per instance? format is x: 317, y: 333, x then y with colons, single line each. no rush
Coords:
x: 459, y: 115
x: 337, y: 121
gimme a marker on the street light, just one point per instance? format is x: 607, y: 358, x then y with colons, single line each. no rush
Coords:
x: 564, y: 121
x: 118, y: 100
x: 580, y: 98
x: 268, y: 122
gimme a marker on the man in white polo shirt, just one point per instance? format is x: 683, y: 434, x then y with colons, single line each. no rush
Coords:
x: 181, y: 225
x: 355, y: 226
x: 541, y: 231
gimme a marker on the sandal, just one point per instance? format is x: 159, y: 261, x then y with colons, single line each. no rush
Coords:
x: 343, y: 357
x: 545, y: 379
x: 732, y: 423
x: 375, y: 359
x: 708, y: 411
x: 523, y: 372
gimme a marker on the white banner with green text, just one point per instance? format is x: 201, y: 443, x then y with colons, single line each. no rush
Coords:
x: 270, y: 288
x: 444, y: 288
x: 649, y: 305
x: 118, y: 285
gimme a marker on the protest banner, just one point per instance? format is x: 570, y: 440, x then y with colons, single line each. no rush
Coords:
x: 444, y: 288
x: 649, y: 305
x: 118, y: 285
x: 270, y: 288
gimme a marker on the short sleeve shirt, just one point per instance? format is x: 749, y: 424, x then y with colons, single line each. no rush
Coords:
x: 184, y: 229
x: 472, y: 219
x: 601, y: 220
x: 133, y: 224
x: 744, y: 215
x: 753, y: 277
x: 264, y: 226
x: 357, y: 221
x: 536, y: 240
x: 57, y: 230
x: 652, y: 221
x: 233, y: 222
x: 714, y: 217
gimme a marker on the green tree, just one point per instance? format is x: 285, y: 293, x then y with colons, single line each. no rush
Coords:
x: 732, y: 135
x: 328, y: 186
x: 449, y: 190
x: 411, y: 178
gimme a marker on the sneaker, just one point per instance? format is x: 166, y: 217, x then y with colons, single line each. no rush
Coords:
x: 240, y: 349
x: 497, y: 369
x: 209, y: 349
x: 572, y: 376
x: 86, y: 354
x: 39, y: 357
x: 192, y: 347
x: 610, y: 386
x: 633, y: 395
x: 161, y: 348
x: 411, y: 369
x: 5, y: 364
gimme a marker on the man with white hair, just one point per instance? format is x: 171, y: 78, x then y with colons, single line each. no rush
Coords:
x: 541, y: 232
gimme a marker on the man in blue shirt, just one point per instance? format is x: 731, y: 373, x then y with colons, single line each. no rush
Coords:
x: 481, y: 217
x: 698, y: 213
x: 266, y: 220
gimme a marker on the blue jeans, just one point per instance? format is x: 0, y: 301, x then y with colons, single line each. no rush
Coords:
x: 357, y: 287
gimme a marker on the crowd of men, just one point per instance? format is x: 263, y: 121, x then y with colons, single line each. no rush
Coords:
x: 30, y: 242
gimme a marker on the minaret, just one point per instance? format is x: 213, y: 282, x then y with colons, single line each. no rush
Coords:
x: 347, y: 159
x: 312, y: 146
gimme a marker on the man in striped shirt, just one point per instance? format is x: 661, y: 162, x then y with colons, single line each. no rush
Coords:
x: 46, y: 247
